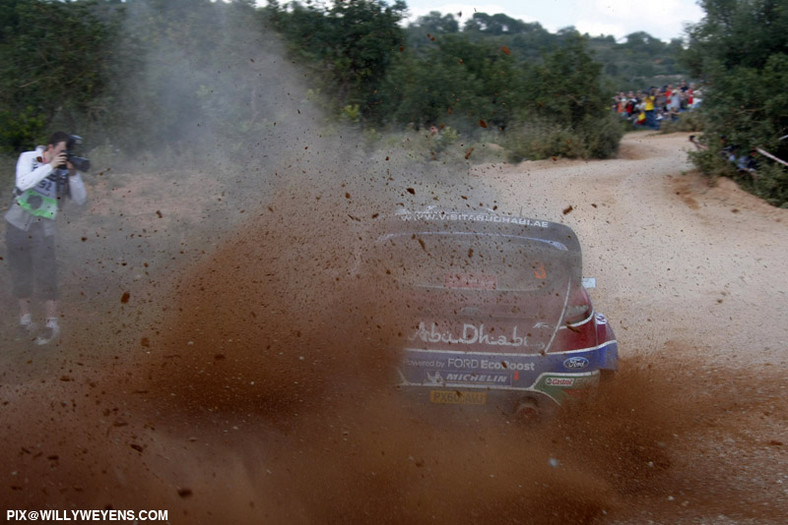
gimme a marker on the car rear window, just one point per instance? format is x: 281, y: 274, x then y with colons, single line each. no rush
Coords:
x: 476, y: 262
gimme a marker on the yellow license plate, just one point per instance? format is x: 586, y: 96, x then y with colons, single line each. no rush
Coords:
x: 455, y: 397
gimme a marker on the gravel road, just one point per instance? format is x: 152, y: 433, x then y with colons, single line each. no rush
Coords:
x: 218, y: 361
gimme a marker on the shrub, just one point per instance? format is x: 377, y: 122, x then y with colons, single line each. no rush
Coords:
x: 771, y: 184
x: 594, y: 138
x: 739, y: 47
x: 603, y: 136
x: 687, y: 121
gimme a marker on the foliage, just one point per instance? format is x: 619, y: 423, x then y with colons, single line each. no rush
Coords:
x: 739, y: 47
x: 351, y: 44
x: 543, y: 138
x: 686, y: 121
x: 142, y: 74
x: 195, y: 76
x: 454, y: 81
x: 158, y: 74
x: 566, y: 87
x: 564, y: 111
x: 55, y: 67
x: 640, y: 61
x: 772, y: 184
x: 470, y: 80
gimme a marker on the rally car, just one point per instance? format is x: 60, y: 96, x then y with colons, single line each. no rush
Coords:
x: 495, y: 311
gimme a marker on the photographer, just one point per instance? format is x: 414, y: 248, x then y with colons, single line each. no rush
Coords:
x: 43, y: 178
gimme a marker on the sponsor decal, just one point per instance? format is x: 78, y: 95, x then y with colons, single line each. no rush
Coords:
x: 434, y: 379
x: 475, y: 378
x: 559, y: 381
x: 576, y: 363
x: 476, y: 217
x: 562, y: 387
x: 462, y: 362
x: 471, y: 334
x: 503, y: 364
x: 425, y: 363
x: 471, y: 363
x: 437, y: 378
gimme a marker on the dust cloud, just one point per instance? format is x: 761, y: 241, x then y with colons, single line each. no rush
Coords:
x: 224, y: 361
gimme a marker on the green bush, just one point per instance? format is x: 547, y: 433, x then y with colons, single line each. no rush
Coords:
x: 603, y: 136
x: 771, y: 184
x: 687, y: 121
x: 739, y: 47
x: 594, y: 138
x: 528, y: 141
x: 710, y: 163
x: 19, y: 131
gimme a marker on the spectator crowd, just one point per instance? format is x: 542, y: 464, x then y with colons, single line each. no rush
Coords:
x: 649, y: 108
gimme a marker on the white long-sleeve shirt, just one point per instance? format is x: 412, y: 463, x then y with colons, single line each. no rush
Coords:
x: 31, y: 170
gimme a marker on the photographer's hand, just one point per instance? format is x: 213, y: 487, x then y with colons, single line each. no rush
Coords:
x: 58, y: 160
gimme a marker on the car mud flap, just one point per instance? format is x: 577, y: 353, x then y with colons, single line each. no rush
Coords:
x: 562, y: 387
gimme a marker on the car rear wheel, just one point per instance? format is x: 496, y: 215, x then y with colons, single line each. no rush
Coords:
x: 526, y: 410
x: 530, y: 410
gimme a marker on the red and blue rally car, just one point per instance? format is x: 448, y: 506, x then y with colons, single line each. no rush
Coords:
x: 496, y: 310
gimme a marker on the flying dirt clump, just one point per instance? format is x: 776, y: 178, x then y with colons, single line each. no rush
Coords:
x: 272, y: 321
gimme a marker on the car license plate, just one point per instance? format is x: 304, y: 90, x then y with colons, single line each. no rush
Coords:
x: 455, y: 397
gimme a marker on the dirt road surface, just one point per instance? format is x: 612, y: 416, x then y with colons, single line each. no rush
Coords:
x: 219, y: 363
x: 678, y: 259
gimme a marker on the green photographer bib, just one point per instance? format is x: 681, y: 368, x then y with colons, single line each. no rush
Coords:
x: 40, y: 201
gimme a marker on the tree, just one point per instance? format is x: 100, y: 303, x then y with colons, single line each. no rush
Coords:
x: 434, y: 23
x: 568, y: 85
x: 353, y: 42
x: 737, y: 32
x: 497, y: 24
x: 642, y: 42
x: 456, y: 80
x: 740, y: 49
x: 55, y: 65
x: 564, y: 100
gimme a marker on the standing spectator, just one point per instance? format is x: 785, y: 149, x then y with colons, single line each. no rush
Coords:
x: 632, y: 103
x: 696, y: 97
x: 621, y: 103
x: 675, y: 102
x: 43, y: 178
x: 669, y: 91
x: 650, y: 104
x: 640, y: 114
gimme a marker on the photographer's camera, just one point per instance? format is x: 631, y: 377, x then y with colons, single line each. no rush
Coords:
x: 79, y: 163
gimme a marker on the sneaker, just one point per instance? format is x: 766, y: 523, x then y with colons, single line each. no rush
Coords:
x: 50, y: 334
x: 26, y: 331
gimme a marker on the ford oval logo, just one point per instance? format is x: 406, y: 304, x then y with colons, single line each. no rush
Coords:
x: 576, y: 363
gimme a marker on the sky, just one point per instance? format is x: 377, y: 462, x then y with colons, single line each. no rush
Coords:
x: 664, y: 19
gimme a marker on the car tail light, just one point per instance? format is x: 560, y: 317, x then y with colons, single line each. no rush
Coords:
x: 578, y: 308
x: 578, y: 329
